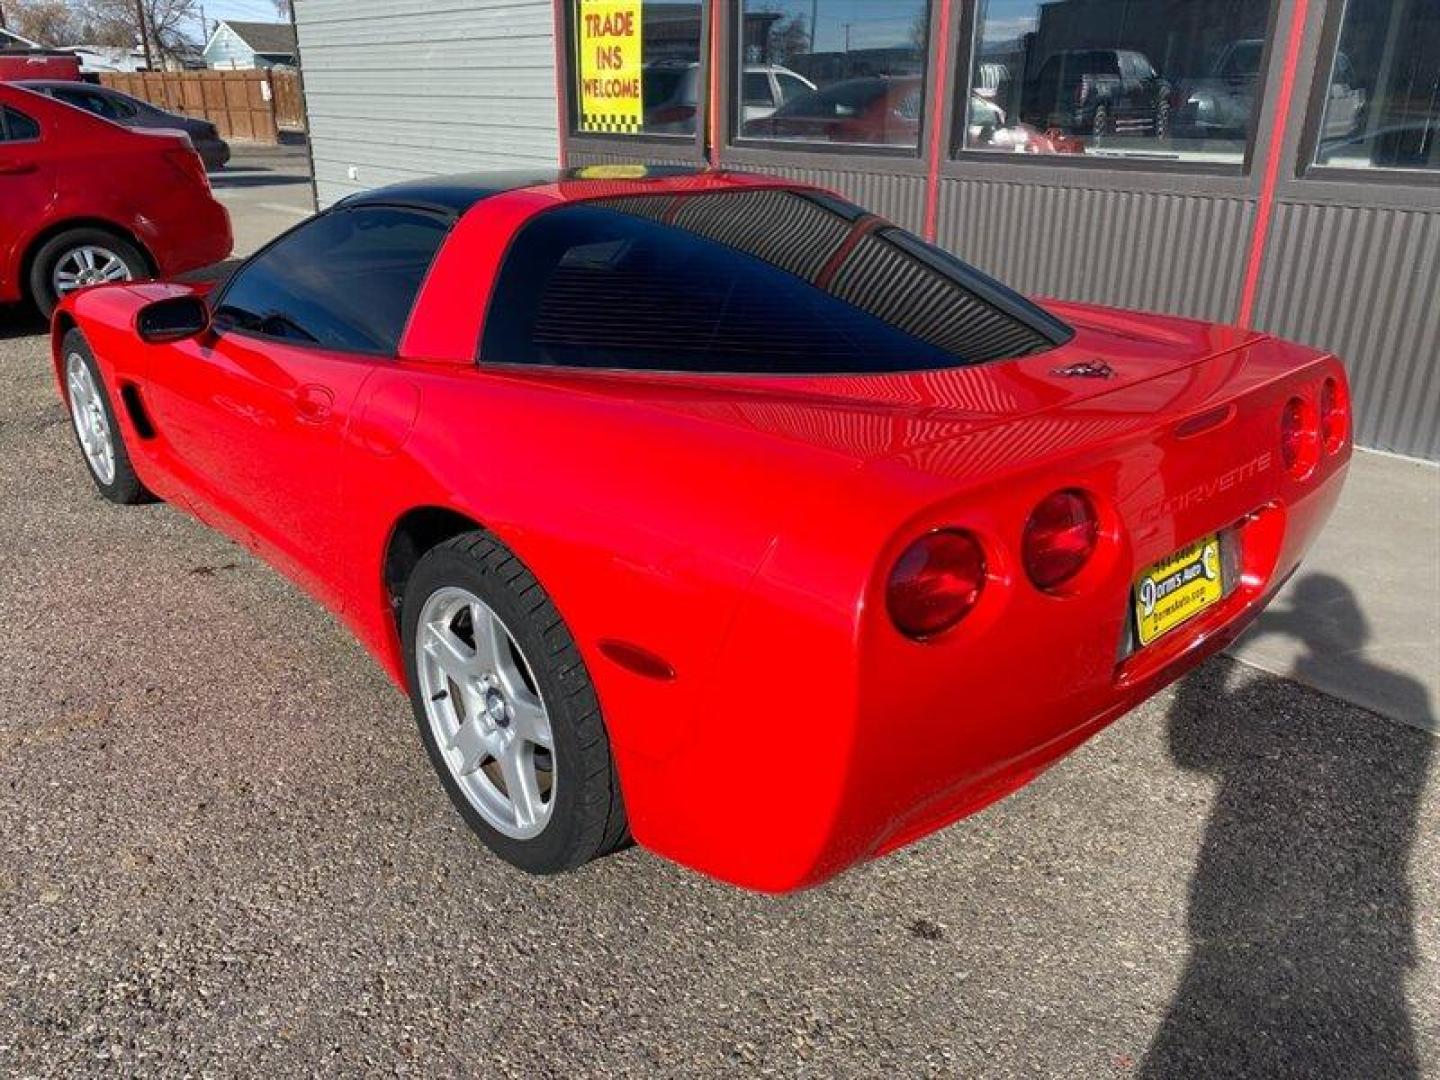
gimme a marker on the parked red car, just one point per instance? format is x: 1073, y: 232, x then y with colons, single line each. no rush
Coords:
x: 84, y: 202
x: 709, y: 508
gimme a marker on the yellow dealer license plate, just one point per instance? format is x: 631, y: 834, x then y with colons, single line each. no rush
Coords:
x: 1178, y: 588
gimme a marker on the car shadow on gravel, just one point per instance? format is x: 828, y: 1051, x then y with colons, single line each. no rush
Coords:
x: 19, y: 321
x: 1300, y: 909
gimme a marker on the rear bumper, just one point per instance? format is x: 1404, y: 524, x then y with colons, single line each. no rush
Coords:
x: 1274, y: 538
x: 825, y: 742
x: 215, y: 153
x: 187, y: 236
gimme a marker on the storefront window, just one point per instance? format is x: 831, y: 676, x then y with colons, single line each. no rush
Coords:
x: 1382, y: 100
x: 833, y: 71
x: 636, y: 67
x: 1117, y: 78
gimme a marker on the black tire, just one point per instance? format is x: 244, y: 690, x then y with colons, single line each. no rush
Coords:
x: 54, y: 250
x: 588, y: 816
x: 125, y: 487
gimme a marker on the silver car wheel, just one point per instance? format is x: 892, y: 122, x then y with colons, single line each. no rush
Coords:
x: 87, y: 409
x: 486, y: 713
x: 88, y: 265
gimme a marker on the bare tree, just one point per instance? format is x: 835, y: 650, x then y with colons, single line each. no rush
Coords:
x: 282, y: 8
x: 116, y: 22
x: 50, y: 22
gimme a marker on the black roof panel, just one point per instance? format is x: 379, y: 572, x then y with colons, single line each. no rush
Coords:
x: 459, y: 192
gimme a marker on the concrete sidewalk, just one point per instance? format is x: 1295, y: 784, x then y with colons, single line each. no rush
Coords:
x: 1361, y: 619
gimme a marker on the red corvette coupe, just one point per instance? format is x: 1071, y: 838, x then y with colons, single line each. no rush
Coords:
x: 708, y: 508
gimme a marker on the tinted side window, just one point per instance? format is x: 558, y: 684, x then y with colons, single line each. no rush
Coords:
x: 345, y: 280
x: 83, y: 99
x: 121, y: 108
x: 757, y: 282
x: 17, y: 127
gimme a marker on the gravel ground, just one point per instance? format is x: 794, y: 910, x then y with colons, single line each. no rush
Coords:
x: 223, y: 853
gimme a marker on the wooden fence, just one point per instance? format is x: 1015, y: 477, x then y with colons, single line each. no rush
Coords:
x: 246, y: 105
x: 289, y: 102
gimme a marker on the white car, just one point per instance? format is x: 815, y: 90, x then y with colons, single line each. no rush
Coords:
x: 671, y: 93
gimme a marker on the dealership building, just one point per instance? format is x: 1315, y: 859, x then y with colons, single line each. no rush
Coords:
x: 1270, y: 162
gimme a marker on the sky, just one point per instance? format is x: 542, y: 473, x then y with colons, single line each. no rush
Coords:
x: 872, y: 23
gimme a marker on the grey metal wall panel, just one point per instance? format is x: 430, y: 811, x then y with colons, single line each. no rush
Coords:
x: 395, y: 90
x: 1364, y: 283
x: 1173, y: 253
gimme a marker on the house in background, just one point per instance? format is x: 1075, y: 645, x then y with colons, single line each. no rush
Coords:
x: 242, y: 46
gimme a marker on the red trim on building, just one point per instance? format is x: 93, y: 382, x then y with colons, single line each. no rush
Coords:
x: 1274, y: 152
x: 712, y: 108
x: 940, y: 79
x: 562, y: 81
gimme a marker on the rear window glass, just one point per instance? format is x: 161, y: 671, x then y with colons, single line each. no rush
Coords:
x: 754, y: 282
x: 344, y: 280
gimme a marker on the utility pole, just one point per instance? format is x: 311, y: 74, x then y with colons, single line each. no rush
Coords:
x: 144, y: 34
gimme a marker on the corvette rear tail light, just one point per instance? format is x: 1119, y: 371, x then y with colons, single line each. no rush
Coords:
x: 1299, y: 437
x: 935, y: 583
x: 1060, y: 537
x: 1334, y: 414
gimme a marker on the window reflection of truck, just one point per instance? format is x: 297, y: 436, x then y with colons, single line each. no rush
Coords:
x: 1222, y: 104
x: 1097, y: 92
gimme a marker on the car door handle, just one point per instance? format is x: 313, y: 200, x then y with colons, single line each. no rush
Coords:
x: 16, y: 168
x: 313, y: 403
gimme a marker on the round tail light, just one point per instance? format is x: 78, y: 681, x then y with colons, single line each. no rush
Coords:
x: 1299, y: 437
x: 1334, y: 414
x: 1059, y: 538
x: 935, y: 583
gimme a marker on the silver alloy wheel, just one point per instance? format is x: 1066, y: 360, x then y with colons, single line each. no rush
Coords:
x: 87, y: 265
x: 486, y: 713
x: 87, y: 409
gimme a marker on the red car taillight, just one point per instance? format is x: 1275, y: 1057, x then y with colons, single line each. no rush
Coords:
x: 1334, y: 414
x: 1299, y: 437
x: 935, y: 583
x: 1060, y: 537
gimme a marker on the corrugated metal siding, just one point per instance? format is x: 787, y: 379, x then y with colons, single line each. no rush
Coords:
x: 1364, y: 283
x: 581, y: 157
x: 397, y: 90
x: 900, y: 199
x: 1178, y: 254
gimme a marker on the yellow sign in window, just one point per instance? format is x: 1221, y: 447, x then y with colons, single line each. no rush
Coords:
x: 1178, y: 588
x: 610, y: 40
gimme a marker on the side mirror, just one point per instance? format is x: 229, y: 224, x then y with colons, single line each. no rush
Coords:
x: 171, y: 320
